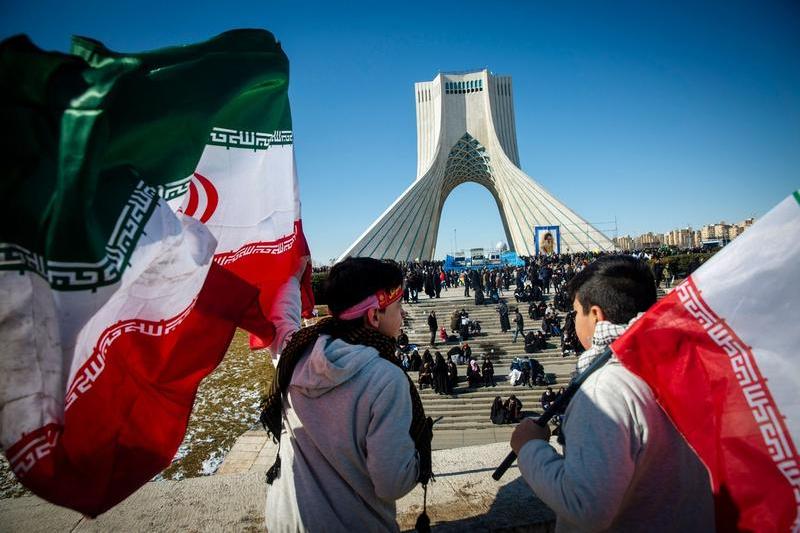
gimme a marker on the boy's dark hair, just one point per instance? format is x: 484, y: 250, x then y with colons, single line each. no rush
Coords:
x: 355, y: 278
x: 622, y: 286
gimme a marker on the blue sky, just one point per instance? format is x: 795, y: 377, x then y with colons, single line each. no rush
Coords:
x: 655, y: 115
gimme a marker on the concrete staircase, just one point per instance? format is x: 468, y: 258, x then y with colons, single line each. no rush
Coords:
x: 469, y: 408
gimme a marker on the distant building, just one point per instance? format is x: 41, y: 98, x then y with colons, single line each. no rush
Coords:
x: 680, y: 238
x: 624, y: 243
x: 648, y: 240
x: 718, y: 234
x: 737, y: 229
x: 697, y: 240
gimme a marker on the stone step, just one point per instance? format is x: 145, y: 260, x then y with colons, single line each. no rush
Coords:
x: 486, y: 423
x: 470, y: 412
x: 477, y: 395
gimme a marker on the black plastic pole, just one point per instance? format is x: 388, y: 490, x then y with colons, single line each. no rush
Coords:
x: 556, y: 407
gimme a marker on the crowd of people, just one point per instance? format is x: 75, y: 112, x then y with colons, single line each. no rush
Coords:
x: 433, y: 370
x: 440, y: 372
x: 541, y: 283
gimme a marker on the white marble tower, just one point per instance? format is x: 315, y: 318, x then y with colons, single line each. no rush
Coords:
x: 466, y: 132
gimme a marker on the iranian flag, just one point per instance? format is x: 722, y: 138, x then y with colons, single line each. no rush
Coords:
x: 150, y: 208
x: 720, y: 353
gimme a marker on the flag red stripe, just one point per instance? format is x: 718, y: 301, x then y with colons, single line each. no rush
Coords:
x: 127, y: 426
x: 191, y: 207
x: 708, y: 382
x: 268, y: 265
x: 212, y: 197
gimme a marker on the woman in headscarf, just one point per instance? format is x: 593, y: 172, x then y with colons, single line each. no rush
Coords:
x: 473, y: 373
x: 488, y: 373
x: 439, y: 374
x: 452, y: 375
x: 416, y: 361
x: 505, y: 323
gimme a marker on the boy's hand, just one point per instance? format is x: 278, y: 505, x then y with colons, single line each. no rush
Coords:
x: 528, y: 430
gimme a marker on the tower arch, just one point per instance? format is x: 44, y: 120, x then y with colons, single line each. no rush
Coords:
x: 466, y: 132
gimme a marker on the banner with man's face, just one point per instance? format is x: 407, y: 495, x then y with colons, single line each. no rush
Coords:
x: 547, y: 240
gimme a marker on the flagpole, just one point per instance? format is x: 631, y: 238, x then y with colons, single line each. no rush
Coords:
x: 557, y: 406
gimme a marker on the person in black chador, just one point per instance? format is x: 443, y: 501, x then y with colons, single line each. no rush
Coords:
x: 452, y: 375
x: 488, y: 373
x: 415, y: 362
x: 477, y: 286
x: 429, y: 289
x: 532, y: 343
x: 505, y: 324
x: 439, y: 374
x: 473, y: 374
x: 425, y: 376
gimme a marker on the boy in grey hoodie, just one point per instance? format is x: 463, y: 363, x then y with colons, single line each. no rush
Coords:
x: 625, y: 467
x: 346, y: 453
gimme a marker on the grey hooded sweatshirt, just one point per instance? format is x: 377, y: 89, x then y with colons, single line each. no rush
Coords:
x: 346, y: 454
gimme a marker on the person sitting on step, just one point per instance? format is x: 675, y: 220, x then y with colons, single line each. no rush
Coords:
x: 499, y: 414
x: 473, y: 374
x: 514, y: 408
x: 425, y: 375
x: 402, y: 340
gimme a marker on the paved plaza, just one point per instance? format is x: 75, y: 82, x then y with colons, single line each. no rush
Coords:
x: 463, y: 497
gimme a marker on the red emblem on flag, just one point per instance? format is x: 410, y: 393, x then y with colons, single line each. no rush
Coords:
x: 208, y: 199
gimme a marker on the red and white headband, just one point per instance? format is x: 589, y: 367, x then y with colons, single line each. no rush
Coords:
x: 379, y: 300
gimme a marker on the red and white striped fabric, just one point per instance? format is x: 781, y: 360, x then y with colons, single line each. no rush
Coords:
x: 250, y: 201
x: 720, y: 353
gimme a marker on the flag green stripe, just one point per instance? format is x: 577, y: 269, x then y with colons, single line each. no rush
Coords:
x: 89, y: 127
x: 82, y: 276
x: 797, y: 196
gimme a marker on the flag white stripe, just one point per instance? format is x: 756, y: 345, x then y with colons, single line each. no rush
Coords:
x: 765, y: 261
x: 54, y: 332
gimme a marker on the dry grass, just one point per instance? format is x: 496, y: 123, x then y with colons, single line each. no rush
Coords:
x: 227, y: 405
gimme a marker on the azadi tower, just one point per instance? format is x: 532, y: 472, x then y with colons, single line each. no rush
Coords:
x: 466, y: 132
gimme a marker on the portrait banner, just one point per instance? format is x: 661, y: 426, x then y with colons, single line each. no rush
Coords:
x: 547, y: 240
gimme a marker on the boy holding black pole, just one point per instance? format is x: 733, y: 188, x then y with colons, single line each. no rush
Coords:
x: 625, y: 467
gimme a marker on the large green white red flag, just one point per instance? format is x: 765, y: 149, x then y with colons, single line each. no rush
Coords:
x: 116, y: 304
x: 721, y: 355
